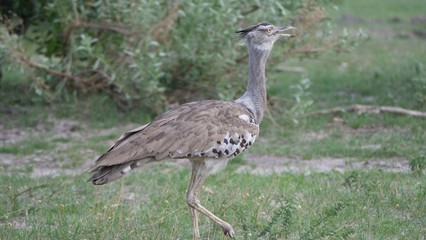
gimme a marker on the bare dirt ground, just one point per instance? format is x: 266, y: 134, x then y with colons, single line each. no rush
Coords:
x: 47, y: 164
x: 278, y: 164
x: 40, y: 163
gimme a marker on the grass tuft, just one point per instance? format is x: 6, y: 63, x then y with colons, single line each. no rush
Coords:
x: 418, y: 164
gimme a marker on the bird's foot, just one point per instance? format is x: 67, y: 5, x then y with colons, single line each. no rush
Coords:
x: 228, y: 231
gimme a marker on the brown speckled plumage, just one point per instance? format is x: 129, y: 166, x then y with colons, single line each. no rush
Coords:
x: 191, y: 130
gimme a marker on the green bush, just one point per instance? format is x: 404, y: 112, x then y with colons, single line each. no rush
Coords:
x: 146, y: 53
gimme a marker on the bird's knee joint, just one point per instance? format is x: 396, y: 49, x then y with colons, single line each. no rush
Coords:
x: 192, y: 201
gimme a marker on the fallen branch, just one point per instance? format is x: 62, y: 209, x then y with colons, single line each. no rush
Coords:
x: 358, y: 108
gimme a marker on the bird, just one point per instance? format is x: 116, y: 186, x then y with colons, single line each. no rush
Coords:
x: 208, y: 133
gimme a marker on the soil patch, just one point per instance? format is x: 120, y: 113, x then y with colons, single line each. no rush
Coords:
x: 264, y: 164
x: 55, y: 163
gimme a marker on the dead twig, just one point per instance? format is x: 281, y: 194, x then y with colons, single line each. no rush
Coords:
x: 358, y: 108
x: 13, y: 197
x: 96, y: 81
x: 92, y: 82
x: 161, y: 30
x: 30, y: 189
x: 20, y: 57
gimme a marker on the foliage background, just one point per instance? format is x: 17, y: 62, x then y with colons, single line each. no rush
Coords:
x: 149, y: 54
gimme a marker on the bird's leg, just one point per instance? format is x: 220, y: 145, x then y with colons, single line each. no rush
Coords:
x: 194, y: 216
x: 199, y: 174
x: 194, y: 213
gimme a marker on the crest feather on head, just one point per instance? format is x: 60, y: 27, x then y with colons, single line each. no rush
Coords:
x: 243, y: 33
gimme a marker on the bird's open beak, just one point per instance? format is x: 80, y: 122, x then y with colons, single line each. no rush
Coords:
x: 282, y: 31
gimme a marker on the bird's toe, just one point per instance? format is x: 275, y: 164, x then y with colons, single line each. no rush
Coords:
x: 229, y: 232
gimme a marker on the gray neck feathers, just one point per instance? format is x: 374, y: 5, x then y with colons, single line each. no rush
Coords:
x: 255, y: 96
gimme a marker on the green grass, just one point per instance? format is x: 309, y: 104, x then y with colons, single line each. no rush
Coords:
x: 28, y: 146
x: 361, y: 137
x: 150, y: 203
x: 352, y: 205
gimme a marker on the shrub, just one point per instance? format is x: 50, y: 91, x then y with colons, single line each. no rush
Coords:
x: 147, y: 53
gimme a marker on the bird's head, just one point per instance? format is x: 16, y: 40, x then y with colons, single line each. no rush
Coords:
x: 263, y: 35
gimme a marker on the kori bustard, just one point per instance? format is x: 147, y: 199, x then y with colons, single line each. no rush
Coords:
x: 208, y: 133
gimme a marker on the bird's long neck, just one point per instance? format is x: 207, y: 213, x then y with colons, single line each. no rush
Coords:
x: 255, y: 96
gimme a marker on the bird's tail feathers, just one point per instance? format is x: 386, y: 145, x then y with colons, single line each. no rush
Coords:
x: 106, y: 174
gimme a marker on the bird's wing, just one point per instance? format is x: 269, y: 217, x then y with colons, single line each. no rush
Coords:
x: 126, y: 135
x: 213, y: 129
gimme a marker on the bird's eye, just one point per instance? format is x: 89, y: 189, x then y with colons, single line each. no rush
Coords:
x: 269, y: 30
